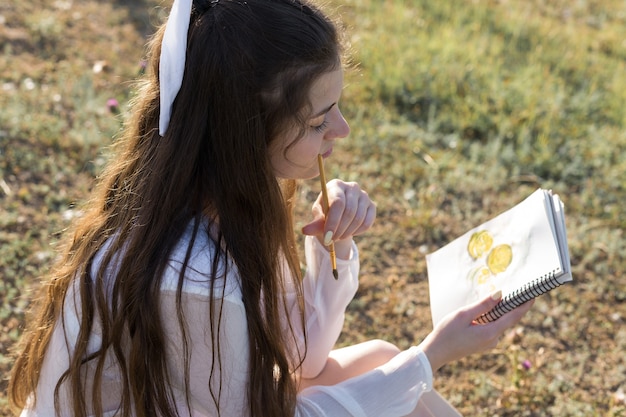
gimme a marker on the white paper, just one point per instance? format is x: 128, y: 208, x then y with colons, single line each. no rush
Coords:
x: 526, y: 232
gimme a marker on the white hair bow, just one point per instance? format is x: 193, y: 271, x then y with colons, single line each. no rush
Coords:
x: 172, y: 61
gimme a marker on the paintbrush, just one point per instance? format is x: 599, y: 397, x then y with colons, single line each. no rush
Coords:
x: 331, y: 247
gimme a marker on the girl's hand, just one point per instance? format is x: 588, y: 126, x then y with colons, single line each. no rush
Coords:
x: 351, y: 212
x: 457, y: 335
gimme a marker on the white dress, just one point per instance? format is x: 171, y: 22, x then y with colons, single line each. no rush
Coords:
x: 389, y: 390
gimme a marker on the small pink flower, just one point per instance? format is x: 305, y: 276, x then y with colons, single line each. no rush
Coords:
x: 113, y: 105
x: 526, y: 364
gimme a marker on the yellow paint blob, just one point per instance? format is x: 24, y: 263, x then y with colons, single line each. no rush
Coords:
x: 499, y: 258
x: 480, y: 275
x: 479, y: 244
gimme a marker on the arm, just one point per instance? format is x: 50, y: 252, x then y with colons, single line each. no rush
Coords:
x: 394, y: 388
x: 351, y: 213
x: 325, y: 301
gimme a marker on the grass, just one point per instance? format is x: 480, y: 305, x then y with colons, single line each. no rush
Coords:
x: 457, y: 113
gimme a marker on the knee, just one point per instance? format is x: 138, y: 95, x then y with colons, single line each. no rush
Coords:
x: 382, y: 350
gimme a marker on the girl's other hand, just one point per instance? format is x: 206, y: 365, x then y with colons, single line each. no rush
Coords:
x: 458, y: 335
x: 351, y: 212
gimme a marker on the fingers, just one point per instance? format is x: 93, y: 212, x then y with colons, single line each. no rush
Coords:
x: 351, y: 211
x: 459, y: 335
x: 513, y: 317
x: 492, y: 332
x: 481, y: 307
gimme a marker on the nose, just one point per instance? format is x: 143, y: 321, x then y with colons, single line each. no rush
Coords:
x: 340, y: 128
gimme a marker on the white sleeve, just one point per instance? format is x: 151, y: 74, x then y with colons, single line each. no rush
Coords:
x: 391, y: 390
x: 325, y: 301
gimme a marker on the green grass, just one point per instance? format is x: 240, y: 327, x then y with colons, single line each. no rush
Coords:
x: 458, y: 111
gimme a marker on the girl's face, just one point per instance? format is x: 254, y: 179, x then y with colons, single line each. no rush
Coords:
x: 298, y: 160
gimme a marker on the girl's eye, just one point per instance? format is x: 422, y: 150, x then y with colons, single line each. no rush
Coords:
x: 320, y: 128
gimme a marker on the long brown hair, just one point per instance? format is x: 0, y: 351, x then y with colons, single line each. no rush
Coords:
x: 249, y: 65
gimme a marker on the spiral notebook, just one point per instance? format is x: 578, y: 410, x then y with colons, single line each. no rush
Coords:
x: 523, y: 252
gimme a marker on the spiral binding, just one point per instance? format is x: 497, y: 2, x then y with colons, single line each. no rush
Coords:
x: 518, y: 297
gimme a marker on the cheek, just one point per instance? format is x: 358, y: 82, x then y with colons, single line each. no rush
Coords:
x: 301, y: 156
x: 303, y: 151
x: 298, y: 161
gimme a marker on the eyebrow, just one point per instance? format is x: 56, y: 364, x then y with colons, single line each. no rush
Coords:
x: 323, y: 111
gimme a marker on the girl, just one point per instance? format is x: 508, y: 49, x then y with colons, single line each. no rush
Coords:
x: 180, y: 291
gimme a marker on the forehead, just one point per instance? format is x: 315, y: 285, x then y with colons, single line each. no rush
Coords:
x: 326, y: 90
